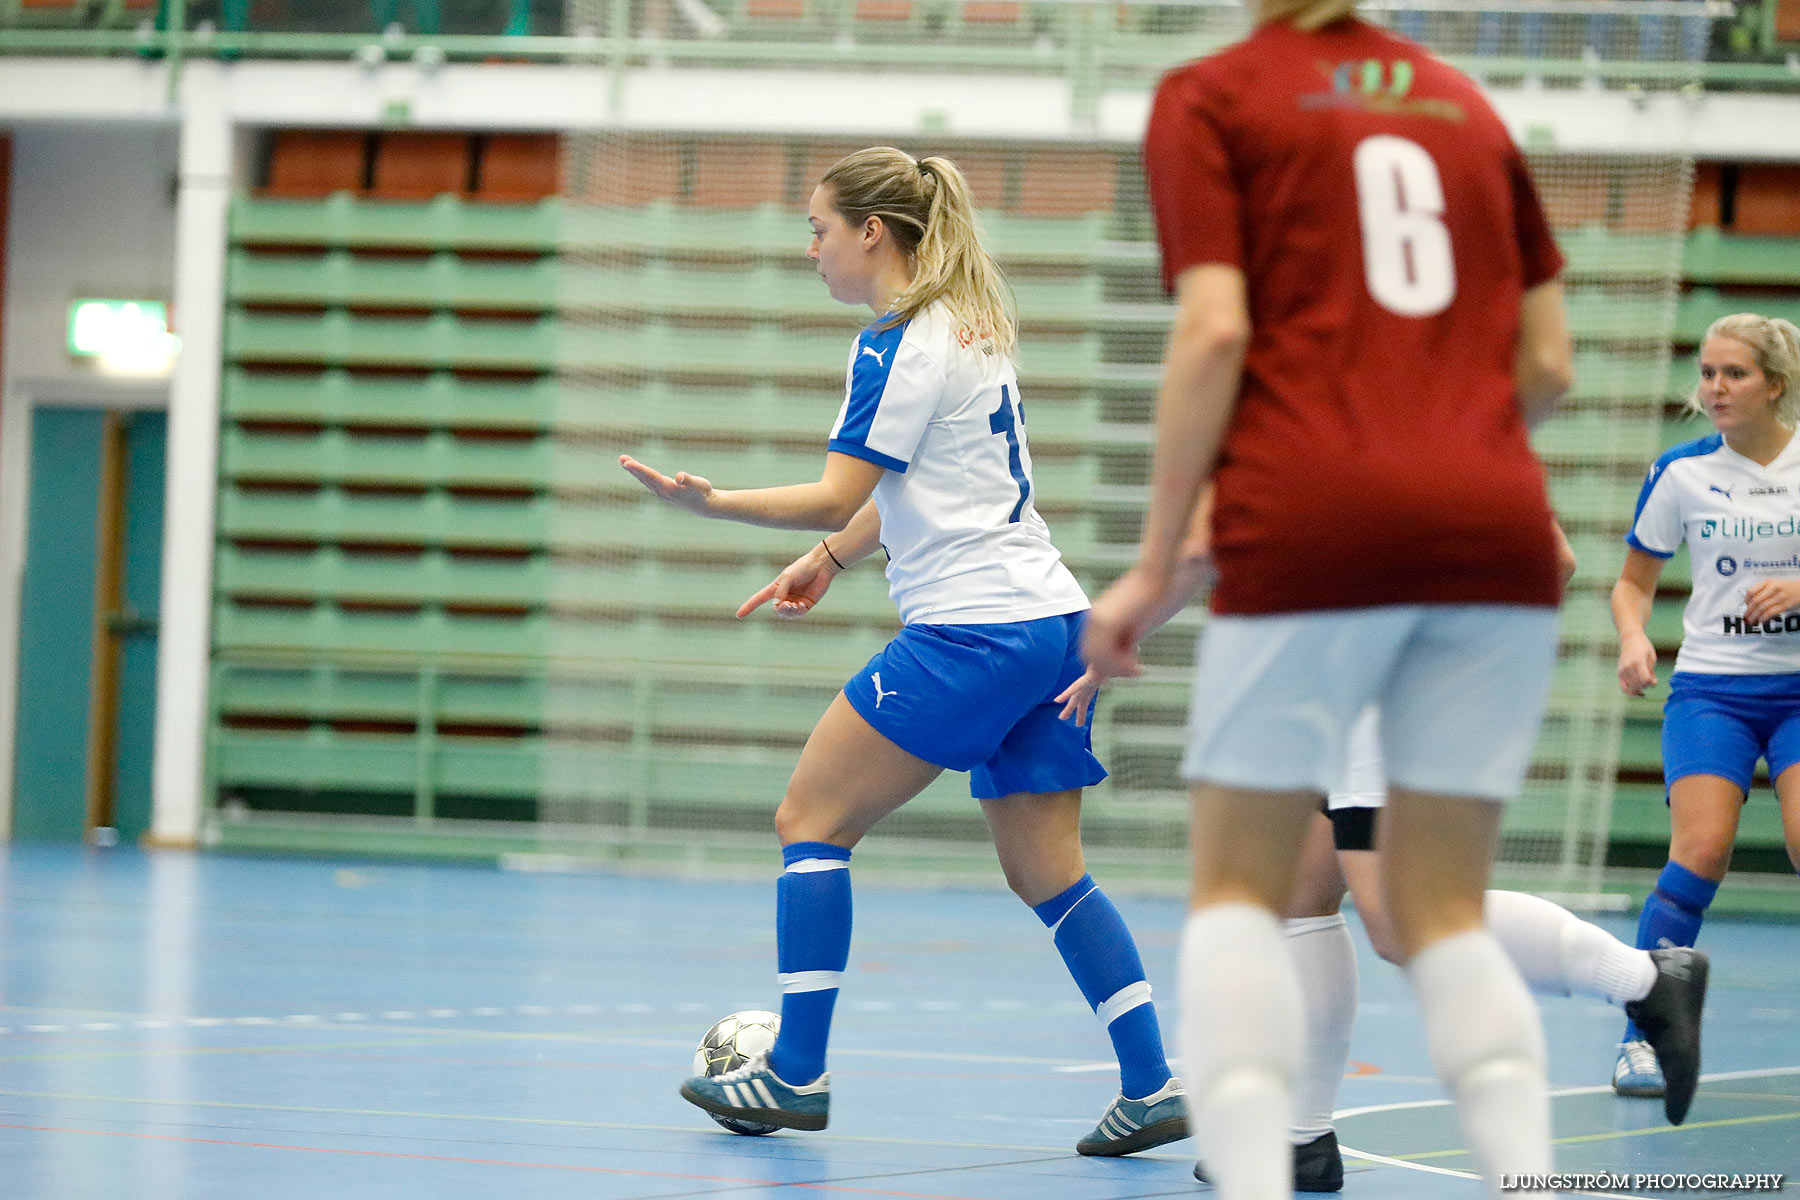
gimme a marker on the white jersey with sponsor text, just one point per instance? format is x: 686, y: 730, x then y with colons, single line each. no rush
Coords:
x: 964, y: 541
x: 1741, y: 523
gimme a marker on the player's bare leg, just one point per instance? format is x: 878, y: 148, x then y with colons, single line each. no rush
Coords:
x: 849, y: 777
x: 1038, y: 837
x: 1787, y: 790
x: 1703, y: 823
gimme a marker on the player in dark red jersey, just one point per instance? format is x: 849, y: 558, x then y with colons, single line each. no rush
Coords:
x: 1368, y: 320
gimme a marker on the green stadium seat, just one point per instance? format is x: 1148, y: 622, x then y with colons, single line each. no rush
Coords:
x: 316, y: 692
x: 1597, y: 253
x: 442, y: 223
x: 1605, y: 374
x: 336, y: 456
x: 442, y: 340
x: 440, y: 280
x: 1702, y: 306
x: 1594, y: 435
x: 1074, y: 241
x: 439, y: 400
x: 1599, y: 313
x: 331, y: 631
x: 432, y: 577
x: 1684, y: 375
x: 430, y: 519
x: 314, y: 760
x: 1713, y: 257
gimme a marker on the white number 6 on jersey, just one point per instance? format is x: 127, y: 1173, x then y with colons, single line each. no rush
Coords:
x: 1406, y: 248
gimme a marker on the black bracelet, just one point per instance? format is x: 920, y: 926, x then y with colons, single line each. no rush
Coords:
x: 830, y: 555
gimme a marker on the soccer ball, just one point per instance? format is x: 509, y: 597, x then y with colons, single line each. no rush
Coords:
x: 729, y: 1045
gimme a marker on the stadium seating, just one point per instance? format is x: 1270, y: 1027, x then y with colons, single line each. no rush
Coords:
x: 436, y: 593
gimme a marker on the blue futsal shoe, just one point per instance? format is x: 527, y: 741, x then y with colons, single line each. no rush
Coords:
x: 753, y: 1093
x: 1636, y: 1072
x: 1128, y: 1126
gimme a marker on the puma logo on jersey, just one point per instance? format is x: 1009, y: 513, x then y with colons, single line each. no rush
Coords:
x: 1725, y: 492
x: 872, y: 353
x: 876, y: 677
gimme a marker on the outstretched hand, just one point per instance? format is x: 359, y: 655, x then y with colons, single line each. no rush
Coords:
x: 683, y: 491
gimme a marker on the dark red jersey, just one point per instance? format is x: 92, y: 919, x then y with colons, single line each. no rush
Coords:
x: 1386, y: 227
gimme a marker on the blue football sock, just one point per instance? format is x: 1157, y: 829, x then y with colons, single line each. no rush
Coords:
x: 1672, y: 915
x: 1103, y: 958
x: 812, y: 946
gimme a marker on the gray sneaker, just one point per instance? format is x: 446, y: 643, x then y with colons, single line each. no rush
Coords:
x: 755, y: 1094
x: 1128, y: 1126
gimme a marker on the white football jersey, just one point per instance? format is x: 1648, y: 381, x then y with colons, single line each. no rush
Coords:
x: 941, y: 412
x: 1741, y: 522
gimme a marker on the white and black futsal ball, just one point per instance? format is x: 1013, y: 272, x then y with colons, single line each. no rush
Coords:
x: 730, y: 1044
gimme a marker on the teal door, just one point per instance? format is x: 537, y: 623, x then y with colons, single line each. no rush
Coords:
x: 87, y: 628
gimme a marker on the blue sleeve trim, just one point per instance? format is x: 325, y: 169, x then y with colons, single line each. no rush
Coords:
x: 869, y: 371
x: 1697, y: 448
x: 1631, y: 539
x: 858, y: 450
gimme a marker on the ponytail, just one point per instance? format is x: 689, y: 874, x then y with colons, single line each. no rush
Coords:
x: 1305, y: 14
x: 928, y: 207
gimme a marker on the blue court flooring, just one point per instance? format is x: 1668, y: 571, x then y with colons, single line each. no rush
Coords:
x: 206, y: 1027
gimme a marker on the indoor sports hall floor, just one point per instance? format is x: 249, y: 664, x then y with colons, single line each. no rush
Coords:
x: 205, y: 1027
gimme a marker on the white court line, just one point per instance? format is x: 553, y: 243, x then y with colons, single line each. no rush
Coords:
x: 1555, y: 1093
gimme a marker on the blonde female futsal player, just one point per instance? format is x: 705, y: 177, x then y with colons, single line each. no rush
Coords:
x: 932, y: 430
x: 1734, y: 696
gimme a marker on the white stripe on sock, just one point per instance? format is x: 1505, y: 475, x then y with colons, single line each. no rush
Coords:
x: 809, y: 981
x: 807, y: 866
x: 1123, y: 1001
x: 1091, y: 890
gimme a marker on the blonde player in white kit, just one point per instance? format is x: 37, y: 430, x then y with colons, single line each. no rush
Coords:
x: 929, y: 461
x: 1734, y: 696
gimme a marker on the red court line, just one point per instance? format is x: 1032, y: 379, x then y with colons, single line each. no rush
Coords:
x: 481, y: 1162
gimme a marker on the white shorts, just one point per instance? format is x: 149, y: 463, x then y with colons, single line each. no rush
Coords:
x: 1460, y: 689
x: 1364, y: 782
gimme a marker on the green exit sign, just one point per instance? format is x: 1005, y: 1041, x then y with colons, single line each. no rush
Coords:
x: 110, y: 328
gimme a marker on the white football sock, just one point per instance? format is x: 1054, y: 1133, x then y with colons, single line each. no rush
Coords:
x: 1488, y: 1047
x: 1241, y: 1032
x: 1326, y: 962
x: 1559, y: 954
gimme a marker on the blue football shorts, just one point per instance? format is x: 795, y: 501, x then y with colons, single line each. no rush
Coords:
x: 982, y: 699
x: 1721, y: 724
